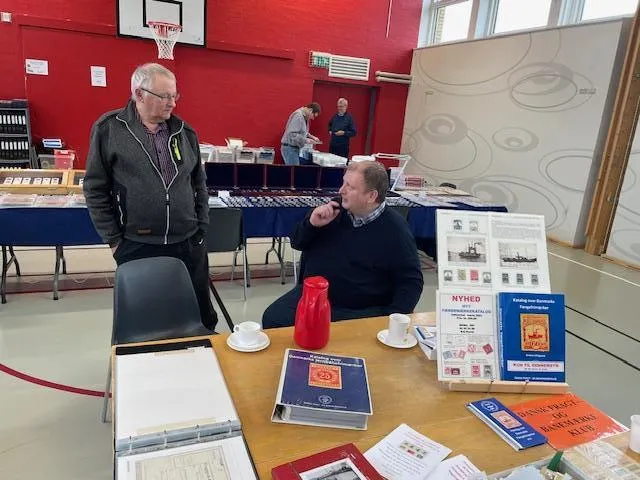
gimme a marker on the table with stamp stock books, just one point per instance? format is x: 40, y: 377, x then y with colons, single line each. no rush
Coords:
x: 404, y: 389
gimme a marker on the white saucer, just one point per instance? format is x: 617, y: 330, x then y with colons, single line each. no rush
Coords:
x: 262, y: 343
x: 408, y: 342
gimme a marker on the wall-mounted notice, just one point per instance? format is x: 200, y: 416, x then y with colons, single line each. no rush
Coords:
x: 98, y: 76
x: 37, y: 67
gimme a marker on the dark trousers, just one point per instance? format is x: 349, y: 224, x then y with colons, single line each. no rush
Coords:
x: 193, y: 253
x: 282, y: 312
x: 340, y: 149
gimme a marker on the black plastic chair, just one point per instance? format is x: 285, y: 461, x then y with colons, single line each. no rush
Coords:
x: 153, y: 299
x: 225, y: 235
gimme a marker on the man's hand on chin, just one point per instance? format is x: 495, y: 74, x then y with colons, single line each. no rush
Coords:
x: 324, y: 214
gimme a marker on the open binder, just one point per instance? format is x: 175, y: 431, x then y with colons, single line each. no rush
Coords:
x: 173, y: 413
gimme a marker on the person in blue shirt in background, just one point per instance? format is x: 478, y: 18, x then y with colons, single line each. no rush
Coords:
x: 341, y: 129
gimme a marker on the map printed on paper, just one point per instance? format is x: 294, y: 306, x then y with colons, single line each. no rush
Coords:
x: 206, y: 464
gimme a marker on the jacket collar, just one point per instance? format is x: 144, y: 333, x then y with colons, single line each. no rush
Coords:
x: 130, y: 115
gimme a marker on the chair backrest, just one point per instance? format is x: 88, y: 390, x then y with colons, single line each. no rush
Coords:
x: 154, y: 299
x: 225, y: 230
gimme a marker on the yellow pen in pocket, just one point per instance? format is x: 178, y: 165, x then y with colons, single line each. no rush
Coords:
x: 176, y: 150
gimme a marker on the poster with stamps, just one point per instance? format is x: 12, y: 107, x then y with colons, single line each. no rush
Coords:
x: 466, y: 330
x: 489, y: 251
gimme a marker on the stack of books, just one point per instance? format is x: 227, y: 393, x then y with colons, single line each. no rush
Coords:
x: 427, y: 340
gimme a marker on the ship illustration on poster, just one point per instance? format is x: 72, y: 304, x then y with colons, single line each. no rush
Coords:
x: 466, y: 250
x: 518, y: 255
x: 471, y: 253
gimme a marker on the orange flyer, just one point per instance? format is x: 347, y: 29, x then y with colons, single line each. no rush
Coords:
x: 567, y: 420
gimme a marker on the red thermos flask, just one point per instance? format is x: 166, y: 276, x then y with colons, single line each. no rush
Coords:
x: 313, y: 315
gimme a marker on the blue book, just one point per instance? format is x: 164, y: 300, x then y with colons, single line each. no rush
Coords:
x: 531, y: 337
x: 322, y: 389
x: 509, y: 426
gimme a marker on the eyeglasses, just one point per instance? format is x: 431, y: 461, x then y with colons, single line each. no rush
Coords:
x: 165, y: 98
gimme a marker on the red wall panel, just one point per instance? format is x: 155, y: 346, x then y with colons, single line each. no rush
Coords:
x: 224, y: 93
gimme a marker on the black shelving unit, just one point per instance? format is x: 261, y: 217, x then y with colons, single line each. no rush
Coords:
x: 15, y: 134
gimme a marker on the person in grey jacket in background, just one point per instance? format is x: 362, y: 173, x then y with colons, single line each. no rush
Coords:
x: 296, y: 133
x: 144, y: 183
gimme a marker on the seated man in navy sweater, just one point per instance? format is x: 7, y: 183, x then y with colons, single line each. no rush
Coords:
x: 364, y: 249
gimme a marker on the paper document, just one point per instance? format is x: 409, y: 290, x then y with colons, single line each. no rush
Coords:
x: 98, y: 76
x: 456, y: 468
x: 225, y: 459
x: 169, y: 390
x: 405, y: 454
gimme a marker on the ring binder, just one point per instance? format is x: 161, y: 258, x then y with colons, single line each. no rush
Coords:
x: 149, y: 426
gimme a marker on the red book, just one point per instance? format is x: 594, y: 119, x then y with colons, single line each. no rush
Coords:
x: 339, y: 460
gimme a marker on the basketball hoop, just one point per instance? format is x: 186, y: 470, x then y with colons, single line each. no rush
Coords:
x: 166, y: 35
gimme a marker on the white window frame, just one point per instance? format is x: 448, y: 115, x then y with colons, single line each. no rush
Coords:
x: 483, y: 18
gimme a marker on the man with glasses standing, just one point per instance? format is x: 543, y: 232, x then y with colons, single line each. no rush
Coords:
x: 145, y: 186
x: 296, y: 133
x: 341, y: 129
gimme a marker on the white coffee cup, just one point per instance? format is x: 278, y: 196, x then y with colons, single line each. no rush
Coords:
x: 634, y: 437
x: 247, y: 332
x: 398, y: 328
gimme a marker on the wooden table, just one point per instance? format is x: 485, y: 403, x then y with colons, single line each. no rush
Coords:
x: 404, y: 389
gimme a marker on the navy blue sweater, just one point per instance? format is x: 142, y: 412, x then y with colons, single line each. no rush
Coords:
x: 375, y: 265
x: 344, y: 123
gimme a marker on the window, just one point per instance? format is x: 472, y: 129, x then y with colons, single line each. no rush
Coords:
x: 451, y: 21
x: 608, y: 8
x: 522, y: 14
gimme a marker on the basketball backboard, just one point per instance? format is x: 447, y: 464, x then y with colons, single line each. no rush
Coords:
x: 133, y: 17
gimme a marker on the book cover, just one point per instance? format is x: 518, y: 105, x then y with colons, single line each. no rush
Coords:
x: 513, y: 429
x: 345, y: 461
x: 532, y: 336
x: 466, y: 329
x: 325, y: 382
x: 568, y: 420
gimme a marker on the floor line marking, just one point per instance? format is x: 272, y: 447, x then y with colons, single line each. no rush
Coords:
x: 596, y: 269
x: 46, y: 383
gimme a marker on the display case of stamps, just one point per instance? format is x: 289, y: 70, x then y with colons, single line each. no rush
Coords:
x: 46, y: 182
x: 75, y: 181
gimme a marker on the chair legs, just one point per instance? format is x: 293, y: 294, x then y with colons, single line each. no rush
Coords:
x: 233, y: 264
x: 223, y: 309
x: 295, y: 266
x: 107, y: 392
x: 245, y: 267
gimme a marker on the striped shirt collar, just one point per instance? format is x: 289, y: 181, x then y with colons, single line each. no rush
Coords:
x: 161, y: 126
x: 361, y: 221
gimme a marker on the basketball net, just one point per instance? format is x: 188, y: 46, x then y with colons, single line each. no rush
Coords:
x: 166, y: 35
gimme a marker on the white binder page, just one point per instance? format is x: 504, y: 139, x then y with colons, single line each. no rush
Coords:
x: 169, y: 390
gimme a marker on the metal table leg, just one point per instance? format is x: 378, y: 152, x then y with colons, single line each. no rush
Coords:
x: 64, y: 260
x: 271, y: 249
x: 3, y: 282
x: 6, y: 264
x: 56, y: 272
x: 15, y: 260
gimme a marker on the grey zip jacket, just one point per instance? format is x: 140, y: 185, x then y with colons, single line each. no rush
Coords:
x: 125, y: 193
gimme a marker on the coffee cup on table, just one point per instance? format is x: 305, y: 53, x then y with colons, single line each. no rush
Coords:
x: 398, y: 328
x: 247, y: 332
